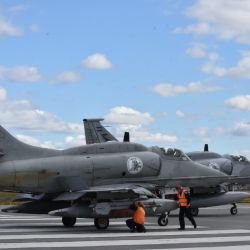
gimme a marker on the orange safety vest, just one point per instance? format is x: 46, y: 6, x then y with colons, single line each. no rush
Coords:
x: 183, y: 202
x: 139, y: 216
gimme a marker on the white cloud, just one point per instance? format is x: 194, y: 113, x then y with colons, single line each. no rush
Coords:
x: 241, y: 70
x: 128, y: 119
x: 180, y: 114
x: 146, y: 136
x: 24, y: 115
x: 8, y: 29
x: 3, y: 94
x: 68, y: 77
x: 17, y: 8
x: 34, y: 28
x: 199, y: 50
x: 125, y: 115
x: 226, y: 19
x: 97, y: 61
x: 159, y: 137
x: 29, y: 140
x: 241, y: 129
x: 187, y: 116
x: 201, y: 132
x: 74, y: 141
x: 241, y: 102
x: 167, y: 89
x: 68, y: 142
x: 20, y: 74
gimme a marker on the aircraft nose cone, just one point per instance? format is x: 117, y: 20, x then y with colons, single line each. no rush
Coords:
x: 211, y: 177
x: 208, y: 171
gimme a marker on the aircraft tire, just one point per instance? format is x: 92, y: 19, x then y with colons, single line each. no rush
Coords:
x: 233, y: 210
x: 194, y: 211
x: 163, y: 220
x: 68, y: 221
x: 101, y: 222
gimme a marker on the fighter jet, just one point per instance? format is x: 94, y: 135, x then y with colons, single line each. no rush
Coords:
x: 229, y: 164
x: 238, y: 168
x: 99, y: 181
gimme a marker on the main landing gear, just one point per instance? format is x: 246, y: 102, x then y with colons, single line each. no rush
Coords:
x: 101, y: 222
x: 194, y: 211
x: 68, y: 221
x: 234, y: 209
x: 163, y: 220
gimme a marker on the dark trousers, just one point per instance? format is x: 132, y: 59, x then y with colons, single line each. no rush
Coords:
x: 134, y: 226
x: 185, y: 211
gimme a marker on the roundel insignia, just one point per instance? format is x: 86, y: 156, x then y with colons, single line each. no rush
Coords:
x: 134, y: 165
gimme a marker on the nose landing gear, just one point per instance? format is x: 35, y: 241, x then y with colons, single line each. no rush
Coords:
x: 234, y: 209
x: 163, y: 220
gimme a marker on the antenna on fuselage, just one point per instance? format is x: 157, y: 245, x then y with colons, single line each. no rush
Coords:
x: 206, y: 148
x: 126, y: 137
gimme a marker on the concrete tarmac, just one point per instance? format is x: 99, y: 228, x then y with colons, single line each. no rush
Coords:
x: 217, y: 229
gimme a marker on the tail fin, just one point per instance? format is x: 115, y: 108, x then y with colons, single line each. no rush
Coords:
x: 95, y: 132
x: 7, y: 142
x: 12, y: 149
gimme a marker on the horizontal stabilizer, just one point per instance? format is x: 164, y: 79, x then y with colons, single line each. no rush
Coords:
x: 30, y: 197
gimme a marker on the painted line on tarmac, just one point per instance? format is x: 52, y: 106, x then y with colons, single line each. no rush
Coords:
x: 59, y: 228
x: 118, y: 235
x: 241, y: 247
x: 86, y: 244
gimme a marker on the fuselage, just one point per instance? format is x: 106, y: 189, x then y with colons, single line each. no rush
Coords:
x: 39, y: 170
x: 231, y: 165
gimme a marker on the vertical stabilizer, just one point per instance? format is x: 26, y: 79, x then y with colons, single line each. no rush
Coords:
x: 12, y: 149
x: 8, y: 143
x: 95, y: 132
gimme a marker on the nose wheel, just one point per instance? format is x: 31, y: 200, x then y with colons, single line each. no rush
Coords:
x: 163, y: 220
x: 234, y: 209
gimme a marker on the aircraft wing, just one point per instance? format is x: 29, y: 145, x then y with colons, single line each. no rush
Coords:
x: 125, y: 191
x: 107, y: 200
x: 239, y: 180
x: 201, y: 181
x: 95, y: 132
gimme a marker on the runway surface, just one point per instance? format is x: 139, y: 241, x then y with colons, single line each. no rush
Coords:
x: 217, y: 229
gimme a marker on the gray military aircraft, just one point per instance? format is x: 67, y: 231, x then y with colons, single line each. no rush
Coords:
x: 236, y: 167
x: 232, y: 165
x: 98, y: 181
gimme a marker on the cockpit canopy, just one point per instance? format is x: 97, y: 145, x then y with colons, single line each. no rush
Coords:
x: 240, y: 158
x: 177, y: 154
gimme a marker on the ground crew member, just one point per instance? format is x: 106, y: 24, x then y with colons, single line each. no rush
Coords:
x: 184, y: 204
x: 138, y: 220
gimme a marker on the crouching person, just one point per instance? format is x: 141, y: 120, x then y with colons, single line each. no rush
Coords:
x: 138, y: 220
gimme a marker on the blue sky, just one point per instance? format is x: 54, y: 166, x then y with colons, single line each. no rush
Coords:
x: 174, y: 73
